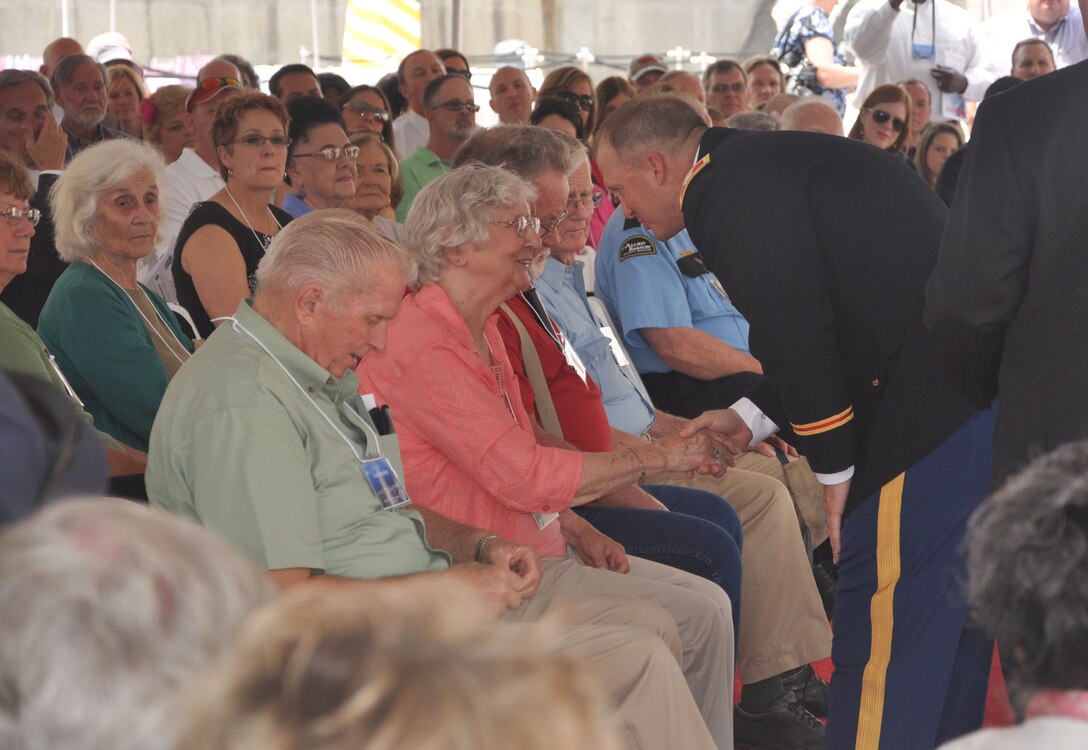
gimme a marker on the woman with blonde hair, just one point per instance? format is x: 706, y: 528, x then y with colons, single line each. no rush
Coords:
x: 126, y: 93
x: 939, y: 141
x: 378, y: 184
x: 163, y: 117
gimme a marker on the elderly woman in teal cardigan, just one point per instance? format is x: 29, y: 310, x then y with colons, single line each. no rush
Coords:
x: 116, y: 341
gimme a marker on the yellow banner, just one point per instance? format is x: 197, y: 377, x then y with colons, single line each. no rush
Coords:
x: 377, y: 32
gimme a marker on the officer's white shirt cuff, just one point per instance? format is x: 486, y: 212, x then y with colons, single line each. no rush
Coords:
x: 760, y: 424
x: 837, y: 478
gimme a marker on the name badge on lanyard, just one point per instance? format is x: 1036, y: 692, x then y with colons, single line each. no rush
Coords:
x: 385, y: 483
x: 573, y: 360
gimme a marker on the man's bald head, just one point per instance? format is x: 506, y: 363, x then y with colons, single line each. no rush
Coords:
x: 813, y: 115
x: 218, y: 68
x: 57, y: 50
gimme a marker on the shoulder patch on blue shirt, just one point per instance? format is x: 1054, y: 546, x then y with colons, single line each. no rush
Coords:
x: 637, y: 245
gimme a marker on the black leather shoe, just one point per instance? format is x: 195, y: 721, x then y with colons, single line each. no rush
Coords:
x: 786, y: 725
x: 810, y: 689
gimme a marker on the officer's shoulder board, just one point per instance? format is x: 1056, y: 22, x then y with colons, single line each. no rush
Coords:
x: 636, y: 245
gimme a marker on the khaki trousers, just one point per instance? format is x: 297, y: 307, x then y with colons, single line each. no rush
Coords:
x: 782, y: 620
x: 662, y: 641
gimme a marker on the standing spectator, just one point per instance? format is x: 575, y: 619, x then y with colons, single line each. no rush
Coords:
x: 1005, y: 304
x: 806, y: 44
x: 126, y: 94
x: 934, y: 41
x: 454, y: 62
x: 512, y: 95
x: 414, y: 73
x: 1057, y: 22
x: 1031, y: 58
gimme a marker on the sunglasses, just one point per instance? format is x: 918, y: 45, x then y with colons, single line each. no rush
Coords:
x: 584, y: 102
x: 216, y: 83
x: 880, y: 117
x: 453, y: 105
x: 367, y: 110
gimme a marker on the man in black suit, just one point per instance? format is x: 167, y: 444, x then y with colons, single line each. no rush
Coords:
x: 825, y: 244
x: 29, y: 130
x: 1007, y: 305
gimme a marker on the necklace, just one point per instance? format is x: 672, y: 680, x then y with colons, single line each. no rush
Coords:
x: 147, y: 322
x: 249, y: 225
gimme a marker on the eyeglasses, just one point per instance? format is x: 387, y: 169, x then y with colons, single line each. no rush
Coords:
x: 466, y: 74
x: 453, y: 105
x: 880, y: 117
x: 584, y: 102
x: 252, y: 139
x: 331, y: 153
x: 553, y: 224
x: 721, y: 88
x: 589, y: 201
x: 520, y: 224
x: 15, y: 215
x: 367, y: 110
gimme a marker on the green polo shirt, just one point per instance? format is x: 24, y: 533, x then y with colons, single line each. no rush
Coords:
x: 240, y: 448
x: 416, y: 171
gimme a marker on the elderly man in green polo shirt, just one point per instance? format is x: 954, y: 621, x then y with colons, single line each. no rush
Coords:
x: 263, y: 437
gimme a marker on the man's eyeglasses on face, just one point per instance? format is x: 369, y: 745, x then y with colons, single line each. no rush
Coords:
x: 589, y: 201
x: 366, y: 110
x: 14, y: 215
x: 880, y: 117
x: 721, y: 88
x: 584, y: 102
x: 520, y: 224
x: 252, y: 139
x: 454, y: 105
x: 466, y: 74
x: 331, y: 153
x: 552, y: 225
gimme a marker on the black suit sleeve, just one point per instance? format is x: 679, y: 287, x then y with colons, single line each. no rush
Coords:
x: 767, y: 256
x: 982, y: 271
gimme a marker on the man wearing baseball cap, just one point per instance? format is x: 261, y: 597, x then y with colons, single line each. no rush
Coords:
x: 194, y: 177
x: 644, y: 71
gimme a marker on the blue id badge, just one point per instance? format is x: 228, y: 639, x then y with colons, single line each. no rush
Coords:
x: 923, y: 52
x: 385, y: 483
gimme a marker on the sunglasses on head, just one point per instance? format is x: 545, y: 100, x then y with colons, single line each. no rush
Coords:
x: 880, y: 117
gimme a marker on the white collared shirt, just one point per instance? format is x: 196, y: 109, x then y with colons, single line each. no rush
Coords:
x: 410, y: 131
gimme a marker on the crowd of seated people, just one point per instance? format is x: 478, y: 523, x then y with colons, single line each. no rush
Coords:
x: 313, y: 321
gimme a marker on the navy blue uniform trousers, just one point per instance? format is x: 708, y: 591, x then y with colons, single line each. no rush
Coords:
x: 910, y: 670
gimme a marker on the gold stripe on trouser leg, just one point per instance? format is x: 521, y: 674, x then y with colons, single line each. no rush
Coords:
x: 881, y: 613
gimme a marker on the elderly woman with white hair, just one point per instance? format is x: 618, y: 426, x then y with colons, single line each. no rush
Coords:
x: 116, y: 341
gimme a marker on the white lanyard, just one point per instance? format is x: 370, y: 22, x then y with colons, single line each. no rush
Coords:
x: 347, y: 441
x: 247, y: 222
x: 150, y: 327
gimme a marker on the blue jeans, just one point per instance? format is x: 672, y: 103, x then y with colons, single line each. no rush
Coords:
x: 700, y: 535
